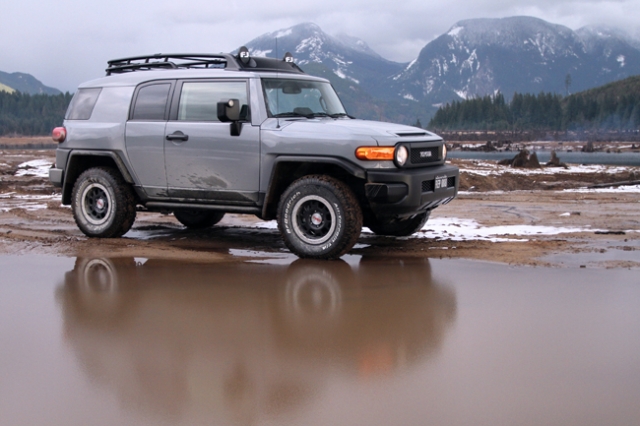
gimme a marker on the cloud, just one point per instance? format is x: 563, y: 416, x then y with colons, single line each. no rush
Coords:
x: 66, y: 42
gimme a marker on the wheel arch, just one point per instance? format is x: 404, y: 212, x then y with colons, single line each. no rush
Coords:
x: 288, y: 169
x: 79, y: 161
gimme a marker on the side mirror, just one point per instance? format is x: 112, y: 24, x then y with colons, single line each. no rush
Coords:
x: 229, y: 110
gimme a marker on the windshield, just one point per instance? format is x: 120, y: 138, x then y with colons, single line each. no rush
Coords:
x: 293, y: 98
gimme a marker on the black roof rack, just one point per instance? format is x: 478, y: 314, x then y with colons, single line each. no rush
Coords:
x: 199, y: 60
x: 170, y: 61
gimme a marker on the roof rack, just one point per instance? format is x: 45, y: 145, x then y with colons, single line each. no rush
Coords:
x: 242, y: 61
x: 170, y: 61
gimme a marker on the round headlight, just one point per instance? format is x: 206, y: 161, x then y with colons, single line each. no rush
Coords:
x: 401, y: 155
x: 444, y: 151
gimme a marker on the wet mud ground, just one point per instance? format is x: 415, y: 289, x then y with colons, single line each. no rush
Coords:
x: 521, y: 325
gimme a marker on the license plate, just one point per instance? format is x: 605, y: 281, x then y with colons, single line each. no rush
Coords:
x: 441, y: 182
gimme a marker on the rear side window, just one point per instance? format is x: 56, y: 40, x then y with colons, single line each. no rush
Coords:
x: 82, y: 104
x: 151, y: 102
x: 199, y: 100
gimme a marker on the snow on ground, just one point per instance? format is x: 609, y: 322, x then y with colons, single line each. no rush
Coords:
x: 484, y: 168
x: 26, y: 202
x: 456, y: 229
x: 625, y: 189
x: 39, y: 168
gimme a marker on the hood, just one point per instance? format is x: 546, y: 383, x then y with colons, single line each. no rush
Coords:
x: 350, y: 129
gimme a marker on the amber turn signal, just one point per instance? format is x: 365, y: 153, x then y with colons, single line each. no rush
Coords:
x: 375, y: 153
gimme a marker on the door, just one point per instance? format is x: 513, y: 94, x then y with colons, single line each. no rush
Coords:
x: 144, y: 135
x: 202, y: 159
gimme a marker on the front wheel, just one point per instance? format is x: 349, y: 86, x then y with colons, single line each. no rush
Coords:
x: 319, y: 217
x: 398, y: 228
x: 103, y: 204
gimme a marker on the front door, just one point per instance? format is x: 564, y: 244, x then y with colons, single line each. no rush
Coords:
x: 204, y: 162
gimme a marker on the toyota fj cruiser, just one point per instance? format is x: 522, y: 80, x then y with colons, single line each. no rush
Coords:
x: 202, y: 135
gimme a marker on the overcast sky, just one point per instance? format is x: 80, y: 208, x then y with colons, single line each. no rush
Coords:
x: 65, y: 42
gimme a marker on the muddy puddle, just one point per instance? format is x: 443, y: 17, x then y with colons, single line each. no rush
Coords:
x: 366, y: 341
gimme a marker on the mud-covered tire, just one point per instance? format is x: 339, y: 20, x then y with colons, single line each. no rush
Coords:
x: 398, y: 228
x: 103, y: 204
x: 319, y: 217
x: 198, y: 219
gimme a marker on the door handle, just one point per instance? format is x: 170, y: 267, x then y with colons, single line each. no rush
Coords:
x: 177, y: 136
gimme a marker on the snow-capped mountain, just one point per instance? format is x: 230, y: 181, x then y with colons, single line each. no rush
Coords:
x: 347, y: 57
x: 475, y: 57
x: 519, y: 54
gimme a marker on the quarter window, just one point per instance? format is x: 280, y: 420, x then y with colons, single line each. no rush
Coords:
x: 82, y: 104
x: 151, y: 102
x: 199, y: 99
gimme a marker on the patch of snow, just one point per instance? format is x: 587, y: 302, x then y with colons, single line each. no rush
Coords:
x: 470, y: 62
x: 409, y: 97
x: 463, y: 94
x: 483, y: 168
x: 284, y: 33
x: 455, y: 31
x: 456, y: 229
x: 430, y: 85
x: 620, y: 60
x: 39, y: 168
x: 340, y: 73
x: 625, y: 189
x: 412, y: 63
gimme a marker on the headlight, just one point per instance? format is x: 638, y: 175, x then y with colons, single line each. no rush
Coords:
x: 444, y: 151
x: 401, y: 155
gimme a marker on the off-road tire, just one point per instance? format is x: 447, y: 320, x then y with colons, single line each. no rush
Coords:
x: 398, y: 228
x: 319, y: 217
x: 198, y: 219
x: 103, y: 204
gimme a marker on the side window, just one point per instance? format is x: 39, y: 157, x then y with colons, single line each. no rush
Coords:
x: 82, y: 104
x: 199, y: 99
x: 151, y: 102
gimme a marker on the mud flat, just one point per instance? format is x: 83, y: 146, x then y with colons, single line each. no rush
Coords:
x: 541, y: 217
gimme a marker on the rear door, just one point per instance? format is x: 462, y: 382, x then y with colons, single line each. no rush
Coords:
x: 203, y: 160
x: 145, y: 133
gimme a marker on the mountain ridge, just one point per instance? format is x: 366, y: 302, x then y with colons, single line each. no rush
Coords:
x: 26, y: 83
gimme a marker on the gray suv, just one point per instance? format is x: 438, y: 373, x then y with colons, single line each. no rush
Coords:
x: 202, y: 135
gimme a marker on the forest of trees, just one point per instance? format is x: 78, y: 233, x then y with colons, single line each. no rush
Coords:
x: 615, y: 106
x: 31, y: 115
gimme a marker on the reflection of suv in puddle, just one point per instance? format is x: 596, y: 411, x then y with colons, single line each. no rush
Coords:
x: 228, y: 340
x: 203, y: 135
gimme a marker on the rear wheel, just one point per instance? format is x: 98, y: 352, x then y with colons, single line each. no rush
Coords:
x: 198, y: 219
x: 319, y: 217
x: 398, y: 228
x: 103, y: 204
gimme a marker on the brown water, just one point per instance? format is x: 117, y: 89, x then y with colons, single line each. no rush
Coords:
x: 364, y: 342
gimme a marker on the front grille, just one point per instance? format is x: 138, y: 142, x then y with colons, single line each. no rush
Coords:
x: 451, y: 181
x: 425, y: 155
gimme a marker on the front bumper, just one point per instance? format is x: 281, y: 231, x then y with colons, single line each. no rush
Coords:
x: 405, y: 192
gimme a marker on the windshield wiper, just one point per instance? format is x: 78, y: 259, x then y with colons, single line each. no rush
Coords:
x: 290, y: 114
x: 340, y: 114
